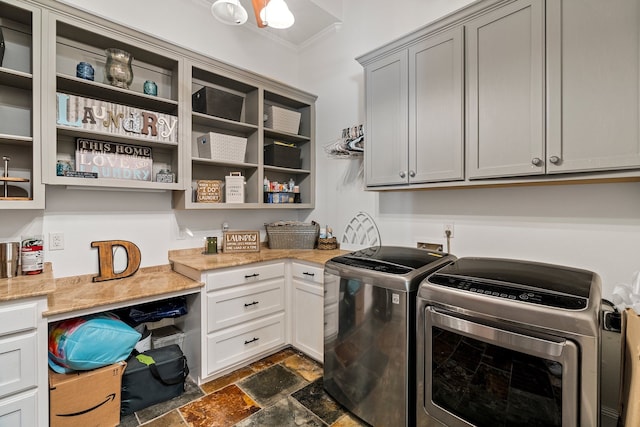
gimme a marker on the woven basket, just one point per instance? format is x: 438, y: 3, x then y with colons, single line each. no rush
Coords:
x: 327, y: 243
x: 283, y: 235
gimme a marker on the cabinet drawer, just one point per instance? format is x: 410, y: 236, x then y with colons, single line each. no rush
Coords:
x: 239, y: 304
x: 244, y: 275
x: 18, y: 317
x: 18, y: 360
x: 238, y: 343
x: 19, y: 411
x: 308, y: 273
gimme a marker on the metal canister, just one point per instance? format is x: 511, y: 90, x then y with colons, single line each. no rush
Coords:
x: 9, y: 259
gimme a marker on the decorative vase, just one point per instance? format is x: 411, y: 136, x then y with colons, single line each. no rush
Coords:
x: 118, y: 68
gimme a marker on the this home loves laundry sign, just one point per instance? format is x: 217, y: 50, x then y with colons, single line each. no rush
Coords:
x: 95, y: 115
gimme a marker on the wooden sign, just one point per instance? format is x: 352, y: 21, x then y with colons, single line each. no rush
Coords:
x: 241, y: 241
x: 209, y: 191
x: 106, y: 117
x: 105, y: 259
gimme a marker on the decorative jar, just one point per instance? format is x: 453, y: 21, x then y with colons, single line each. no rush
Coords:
x: 150, y: 88
x: 118, y: 68
x: 84, y: 70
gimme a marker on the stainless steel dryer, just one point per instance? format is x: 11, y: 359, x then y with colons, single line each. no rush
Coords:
x: 369, y: 351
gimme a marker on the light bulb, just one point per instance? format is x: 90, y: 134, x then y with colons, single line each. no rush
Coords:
x: 277, y: 15
x: 229, y: 12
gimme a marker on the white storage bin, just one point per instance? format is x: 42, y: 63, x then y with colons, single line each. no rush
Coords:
x: 222, y: 147
x: 234, y: 188
x: 282, y: 119
x: 166, y: 335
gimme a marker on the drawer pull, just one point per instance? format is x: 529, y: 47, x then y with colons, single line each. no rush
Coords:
x: 250, y: 341
x: 251, y: 303
x: 249, y: 276
x: 309, y: 274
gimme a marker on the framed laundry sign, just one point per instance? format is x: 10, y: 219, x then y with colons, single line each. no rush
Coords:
x: 241, y: 241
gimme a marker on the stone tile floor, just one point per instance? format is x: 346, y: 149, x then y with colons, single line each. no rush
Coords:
x: 284, y: 389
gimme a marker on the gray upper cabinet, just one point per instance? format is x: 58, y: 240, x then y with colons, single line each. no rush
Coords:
x: 436, y: 114
x: 593, y: 53
x: 505, y: 91
x: 415, y: 123
x: 386, y: 156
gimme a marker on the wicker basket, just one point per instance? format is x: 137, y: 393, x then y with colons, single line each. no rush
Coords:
x: 327, y: 243
x: 282, y: 119
x: 292, y: 235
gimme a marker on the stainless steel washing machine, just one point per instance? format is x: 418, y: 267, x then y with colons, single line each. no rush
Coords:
x: 505, y: 342
x: 369, y: 351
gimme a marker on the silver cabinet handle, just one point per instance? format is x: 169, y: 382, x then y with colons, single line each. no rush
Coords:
x: 412, y: 174
x: 536, y: 161
x: 403, y: 174
x: 554, y: 159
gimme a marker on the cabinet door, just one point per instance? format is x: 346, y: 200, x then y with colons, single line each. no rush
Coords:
x: 386, y: 155
x: 436, y: 116
x: 505, y: 80
x: 19, y: 410
x: 593, y: 59
x: 308, y: 314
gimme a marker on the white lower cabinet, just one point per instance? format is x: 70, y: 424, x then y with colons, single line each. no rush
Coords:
x: 307, y: 310
x: 252, y: 310
x: 243, y: 314
x: 23, y: 361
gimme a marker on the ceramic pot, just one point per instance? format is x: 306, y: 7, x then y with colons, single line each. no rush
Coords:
x: 118, y: 68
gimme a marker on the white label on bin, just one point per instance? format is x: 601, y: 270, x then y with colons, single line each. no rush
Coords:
x: 395, y: 298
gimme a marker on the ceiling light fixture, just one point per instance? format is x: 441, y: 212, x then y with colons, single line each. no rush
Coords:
x: 229, y: 12
x: 276, y: 14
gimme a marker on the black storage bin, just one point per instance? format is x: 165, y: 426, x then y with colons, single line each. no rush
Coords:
x: 145, y: 385
x: 219, y: 103
x: 282, y: 155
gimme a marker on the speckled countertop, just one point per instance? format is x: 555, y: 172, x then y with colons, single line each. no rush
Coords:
x: 77, y: 293
x: 81, y: 293
x: 196, y: 260
x: 28, y: 286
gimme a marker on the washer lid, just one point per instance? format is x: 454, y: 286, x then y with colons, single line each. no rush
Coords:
x: 390, y: 259
x: 536, y: 276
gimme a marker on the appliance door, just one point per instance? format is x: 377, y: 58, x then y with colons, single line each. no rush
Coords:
x: 481, y: 374
x: 366, y: 357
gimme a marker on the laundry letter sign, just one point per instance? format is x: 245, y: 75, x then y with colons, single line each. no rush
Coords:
x: 241, y: 241
x: 106, y: 250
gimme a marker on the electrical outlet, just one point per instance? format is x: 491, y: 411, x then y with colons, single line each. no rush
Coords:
x: 448, y: 228
x: 56, y: 241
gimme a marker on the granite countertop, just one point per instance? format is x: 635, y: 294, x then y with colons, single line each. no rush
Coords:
x: 28, y: 285
x: 81, y: 293
x: 196, y: 260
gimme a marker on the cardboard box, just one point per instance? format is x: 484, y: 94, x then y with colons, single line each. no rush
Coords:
x: 217, y: 102
x: 283, y: 156
x: 630, y: 367
x: 87, y: 398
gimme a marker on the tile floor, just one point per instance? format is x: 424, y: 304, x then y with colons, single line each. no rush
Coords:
x: 284, y: 389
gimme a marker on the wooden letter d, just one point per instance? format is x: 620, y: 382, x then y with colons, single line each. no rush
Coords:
x: 105, y: 259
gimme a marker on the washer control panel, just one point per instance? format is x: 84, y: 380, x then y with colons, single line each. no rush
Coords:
x: 510, y: 292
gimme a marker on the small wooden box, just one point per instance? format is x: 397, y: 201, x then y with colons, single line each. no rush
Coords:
x: 209, y: 191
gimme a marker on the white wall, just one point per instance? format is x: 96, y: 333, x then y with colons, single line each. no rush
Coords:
x: 596, y: 227
x: 590, y: 226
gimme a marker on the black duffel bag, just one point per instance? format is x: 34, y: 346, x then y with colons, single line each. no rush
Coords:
x: 152, y: 377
